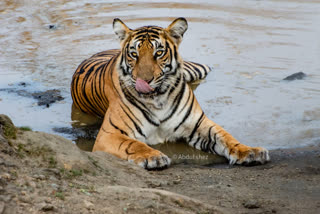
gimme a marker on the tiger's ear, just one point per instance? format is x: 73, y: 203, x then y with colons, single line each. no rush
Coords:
x: 177, y: 28
x: 120, y: 29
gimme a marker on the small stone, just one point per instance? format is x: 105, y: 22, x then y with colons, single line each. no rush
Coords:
x: 6, y: 176
x: 154, y: 184
x: 178, y: 181
x: 32, y: 184
x: 251, y: 204
x: 54, y: 186
x: 25, y: 199
x: 22, y: 84
x: 52, y: 26
x: 39, y: 177
x: 47, y: 207
x: 88, y: 204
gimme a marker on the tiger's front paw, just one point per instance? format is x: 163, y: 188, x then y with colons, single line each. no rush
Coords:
x: 247, y: 155
x: 150, y: 160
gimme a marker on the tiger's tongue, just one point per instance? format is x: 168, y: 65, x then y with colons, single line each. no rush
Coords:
x: 142, y: 86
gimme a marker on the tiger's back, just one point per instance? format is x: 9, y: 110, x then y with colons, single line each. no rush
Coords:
x: 87, y: 86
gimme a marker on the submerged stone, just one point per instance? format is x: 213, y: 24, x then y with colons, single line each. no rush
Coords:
x: 296, y: 76
x: 47, y: 97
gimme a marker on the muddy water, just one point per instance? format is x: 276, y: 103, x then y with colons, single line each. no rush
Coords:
x: 252, y: 46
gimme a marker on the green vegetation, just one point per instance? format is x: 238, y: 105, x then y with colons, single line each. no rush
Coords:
x: 52, y: 162
x: 59, y: 195
x: 9, y: 130
x: 25, y: 128
x: 70, y: 174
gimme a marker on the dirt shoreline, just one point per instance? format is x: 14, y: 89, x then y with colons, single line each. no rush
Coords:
x: 44, y: 173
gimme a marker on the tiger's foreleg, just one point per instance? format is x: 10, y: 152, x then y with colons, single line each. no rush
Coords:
x: 210, y: 137
x: 119, y: 144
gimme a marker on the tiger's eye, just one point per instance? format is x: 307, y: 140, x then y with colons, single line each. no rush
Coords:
x: 159, y: 53
x: 134, y: 54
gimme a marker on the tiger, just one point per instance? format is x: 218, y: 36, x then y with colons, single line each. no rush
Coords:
x: 142, y: 93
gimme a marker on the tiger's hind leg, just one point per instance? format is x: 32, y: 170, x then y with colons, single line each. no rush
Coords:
x: 120, y: 145
x: 194, y: 71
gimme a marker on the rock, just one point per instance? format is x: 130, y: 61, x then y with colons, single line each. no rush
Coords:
x: 154, y: 184
x: 32, y: 184
x: 23, y: 84
x: 44, y: 97
x: 7, y: 128
x: 39, y: 177
x: 88, y: 205
x: 2, y: 207
x: 52, y: 26
x: 47, y: 97
x: 25, y: 199
x: 251, y: 204
x: 178, y: 181
x: 295, y: 76
x: 47, y: 207
x: 6, y: 176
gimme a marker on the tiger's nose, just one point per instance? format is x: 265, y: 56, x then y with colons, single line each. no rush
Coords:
x: 150, y: 80
x: 145, y: 79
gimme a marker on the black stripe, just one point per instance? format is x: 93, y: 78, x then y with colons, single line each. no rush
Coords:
x: 203, y: 145
x: 196, y: 126
x: 203, y: 67
x: 175, y: 85
x: 176, y: 102
x: 134, y: 123
x: 116, y: 127
x: 121, y: 144
x: 195, y: 76
x: 189, y: 72
x: 139, y: 105
x: 195, y: 143
x: 130, y: 112
x: 101, y: 83
x: 212, y: 149
x: 146, y: 30
x: 197, y: 70
x: 86, y: 101
x: 185, y: 104
x: 129, y: 145
x: 186, y: 115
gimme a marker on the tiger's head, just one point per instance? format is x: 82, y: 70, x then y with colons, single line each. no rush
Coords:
x: 149, y: 60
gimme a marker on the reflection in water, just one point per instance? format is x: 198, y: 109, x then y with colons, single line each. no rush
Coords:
x: 252, y: 46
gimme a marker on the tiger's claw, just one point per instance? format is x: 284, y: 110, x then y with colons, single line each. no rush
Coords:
x: 249, y: 156
x: 151, y: 161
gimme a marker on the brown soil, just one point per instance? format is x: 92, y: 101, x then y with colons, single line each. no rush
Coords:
x: 43, y: 173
